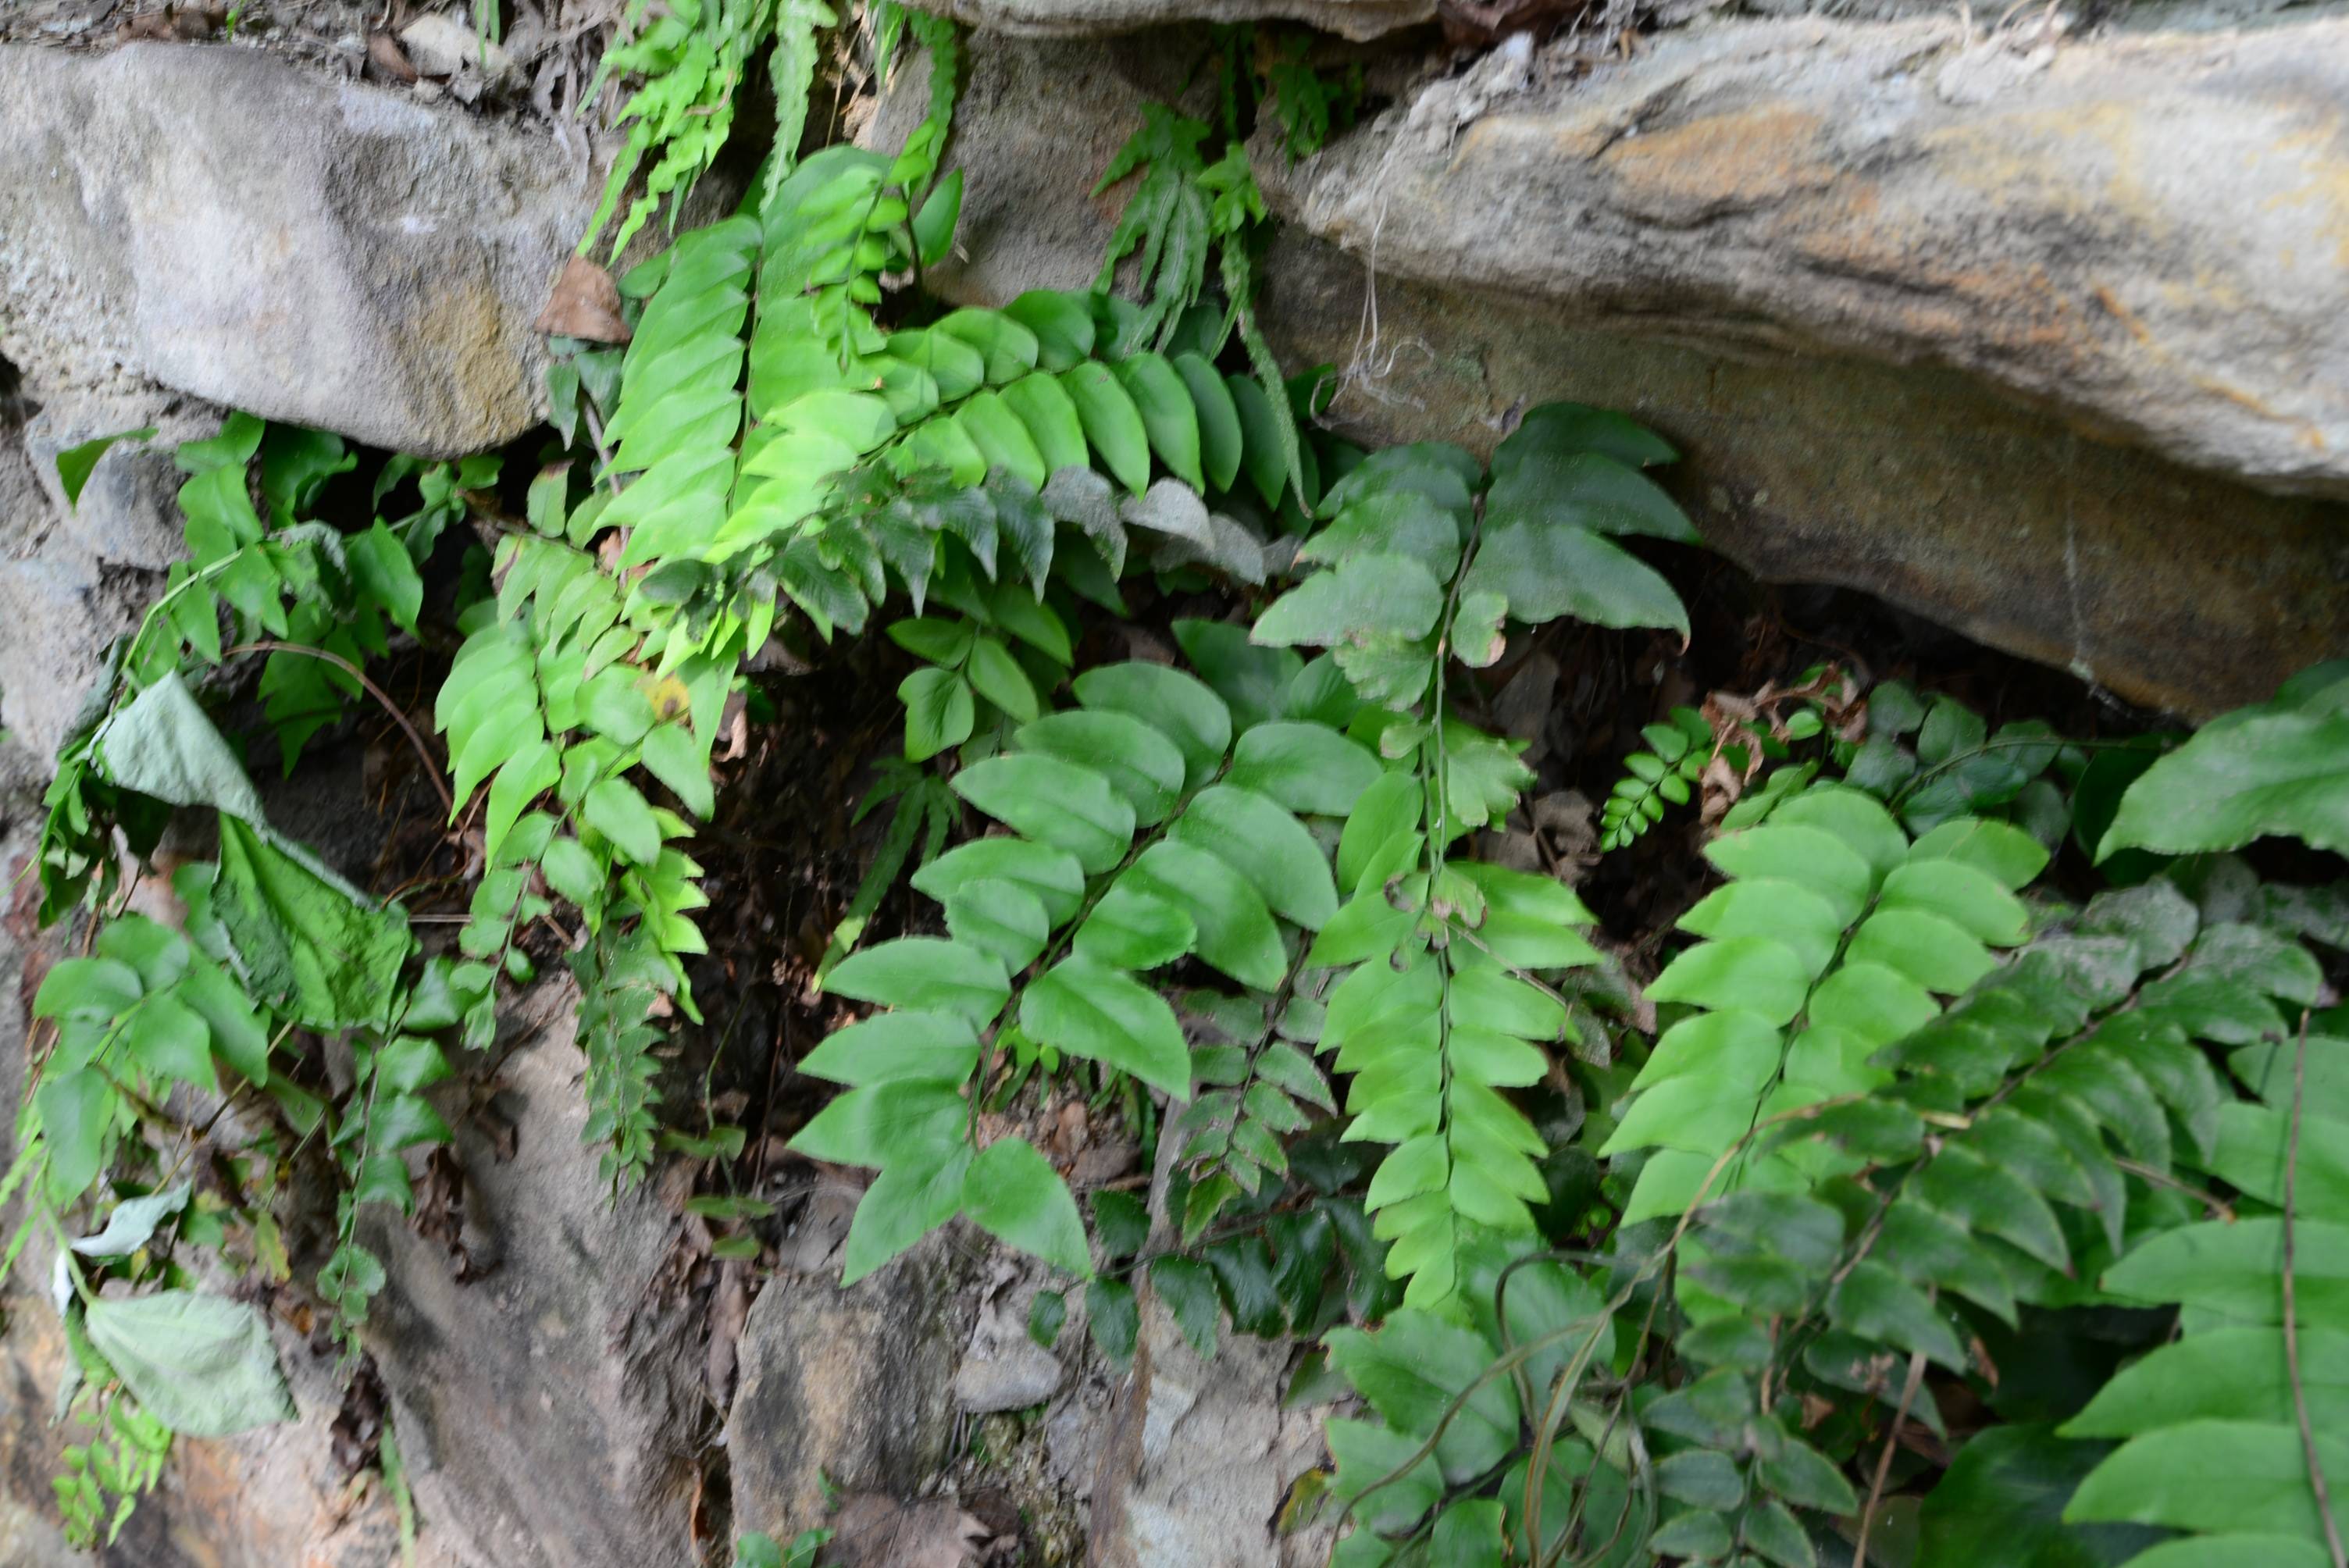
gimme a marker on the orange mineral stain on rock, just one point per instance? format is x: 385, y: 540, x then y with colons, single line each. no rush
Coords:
x: 1721, y: 163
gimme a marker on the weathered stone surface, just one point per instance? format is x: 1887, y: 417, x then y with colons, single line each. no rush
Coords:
x: 2143, y: 234
x: 852, y: 1386
x: 74, y: 578
x: 1004, y: 1368
x: 550, y: 1411
x: 1199, y: 1456
x: 1921, y: 484
x: 1346, y: 18
x: 222, y: 222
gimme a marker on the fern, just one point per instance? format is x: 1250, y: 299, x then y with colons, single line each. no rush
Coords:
x: 1130, y: 848
x: 693, y: 55
x: 1656, y: 778
x: 1833, y: 940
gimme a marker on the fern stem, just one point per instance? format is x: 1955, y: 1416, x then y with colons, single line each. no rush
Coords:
x: 2290, y: 1324
x: 1884, y: 1459
x: 423, y: 754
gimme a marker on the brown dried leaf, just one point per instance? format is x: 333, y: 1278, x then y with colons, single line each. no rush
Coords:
x: 585, y: 304
x: 388, y: 59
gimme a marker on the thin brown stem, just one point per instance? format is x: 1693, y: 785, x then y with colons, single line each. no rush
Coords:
x: 423, y: 752
x: 1884, y: 1460
x: 2291, y: 1325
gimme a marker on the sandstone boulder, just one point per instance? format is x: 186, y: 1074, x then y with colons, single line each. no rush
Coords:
x: 1934, y: 485
x: 224, y: 223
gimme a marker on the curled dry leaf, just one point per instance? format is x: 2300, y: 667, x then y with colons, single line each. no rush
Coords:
x: 585, y: 304
x: 388, y: 59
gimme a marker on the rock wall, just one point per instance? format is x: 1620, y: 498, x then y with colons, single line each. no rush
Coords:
x: 219, y: 221
x: 1928, y: 484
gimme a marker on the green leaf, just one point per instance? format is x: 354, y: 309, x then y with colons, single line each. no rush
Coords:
x: 939, y: 712
x: 1082, y: 1008
x: 1221, y: 441
x: 927, y: 974
x: 1805, y: 1476
x: 201, y: 1364
x: 1547, y: 572
x: 161, y: 744
x: 1114, y: 1319
x: 2227, y: 1373
x: 1367, y: 599
x: 308, y: 948
x: 1269, y: 848
x: 1062, y: 323
x: 1167, y: 414
x: 2007, y: 854
x: 615, y: 809
x: 1234, y: 930
x: 2282, y: 768
x: 1013, y: 1194
x: 75, y: 463
x: 933, y: 224
x: 1411, y: 1369
x: 77, y: 1128
x: 1052, y: 875
x: 1002, y: 438
x: 2235, y: 1271
x: 1049, y: 416
x: 166, y: 1037
x: 905, y: 1203
x: 1876, y: 1303
x: 1309, y: 768
x: 1133, y: 928
x: 1701, y: 1477
x: 1145, y: 766
x: 909, y: 1044
x: 672, y: 755
x: 897, y: 1123
x: 1263, y: 424
x: 1053, y: 802
x: 1112, y: 423
x: 999, y: 917
x: 237, y: 1032
x: 1179, y: 706
x: 1010, y: 348
x: 97, y: 988
x: 2004, y: 1499
x: 1188, y: 1288
x: 1000, y: 679
x: 1744, y: 974
x: 1967, y: 896
x: 1808, y: 856
x: 1122, y: 1221
x: 2213, y: 1476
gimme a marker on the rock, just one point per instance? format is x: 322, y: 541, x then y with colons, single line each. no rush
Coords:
x: 73, y: 579
x: 224, y: 223
x: 1926, y: 485
x: 1346, y: 18
x: 1199, y: 1456
x: 854, y: 1387
x: 1004, y: 1369
x: 2139, y: 233
x: 438, y: 45
x: 551, y: 1412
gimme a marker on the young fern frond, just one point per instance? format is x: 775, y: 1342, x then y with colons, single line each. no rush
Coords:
x: 1656, y: 778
